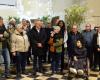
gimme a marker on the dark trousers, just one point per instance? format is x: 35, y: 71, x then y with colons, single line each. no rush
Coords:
x: 29, y: 56
x: 97, y: 59
x: 37, y: 63
x: 46, y: 57
x: 90, y: 55
x: 55, y: 62
x: 45, y: 54
x: 62, y: 59
x: 49, y: 56
x: 20, y: 61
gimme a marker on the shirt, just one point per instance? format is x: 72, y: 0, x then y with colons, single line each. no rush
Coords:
x: 99, y: 39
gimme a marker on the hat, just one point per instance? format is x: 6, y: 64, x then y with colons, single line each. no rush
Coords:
x: 12, y: 19
x: 56, y: 27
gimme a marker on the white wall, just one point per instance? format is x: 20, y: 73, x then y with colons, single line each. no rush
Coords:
x: 8, y: 11
x: 59, y: 6
x: 34, y: 9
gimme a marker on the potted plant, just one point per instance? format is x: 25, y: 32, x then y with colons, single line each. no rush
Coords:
x: 45, y: 19
x: 75, y: 15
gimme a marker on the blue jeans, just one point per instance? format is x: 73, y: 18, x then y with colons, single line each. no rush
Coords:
x: 20, y: 61
x: 1, y: 58
x: 56, y: 59
x: 6, y: 57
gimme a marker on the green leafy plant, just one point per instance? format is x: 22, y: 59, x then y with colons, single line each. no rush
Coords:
x: 75, y: 15
x: 16, y: 18
x: 45, y: 19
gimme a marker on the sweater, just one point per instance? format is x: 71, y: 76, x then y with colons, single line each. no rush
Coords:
x: 58, y: 41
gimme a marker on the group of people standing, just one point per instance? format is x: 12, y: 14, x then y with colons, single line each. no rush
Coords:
x: 50, y: 43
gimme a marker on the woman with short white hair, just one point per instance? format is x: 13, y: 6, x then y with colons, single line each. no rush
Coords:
x: 19, y: 48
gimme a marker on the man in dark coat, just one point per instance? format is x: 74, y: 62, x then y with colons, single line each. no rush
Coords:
x: 96, y: 47
x: 73, y: 36
x: 37, y: 40
x: 88, y: 37
x: 47, y: 56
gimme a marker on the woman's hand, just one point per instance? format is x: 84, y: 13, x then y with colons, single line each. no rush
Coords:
x: 75, y: 58
x: 52, y: 34
x: 1, y: 35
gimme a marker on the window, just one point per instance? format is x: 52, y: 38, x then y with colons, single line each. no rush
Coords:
x: 8, y: 2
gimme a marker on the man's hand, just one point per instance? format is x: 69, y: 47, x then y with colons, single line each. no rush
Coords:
x: 1, y: 35
x: 14, y: 54
x: 39, y: 45
x: 98, y: 49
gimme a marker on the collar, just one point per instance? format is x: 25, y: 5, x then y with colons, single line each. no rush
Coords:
x: 16, y: 32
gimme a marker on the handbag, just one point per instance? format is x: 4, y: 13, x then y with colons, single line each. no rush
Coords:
x: 52, y: 49
x: 50, y: 42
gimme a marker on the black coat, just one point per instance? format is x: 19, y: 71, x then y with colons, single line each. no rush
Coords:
x: 95, y: 46
x: 71, y: 42
x: 48, y: 32
x: 80, y: 52
x: 2, y: 29
x: 4, y: 41
x: 35, y: 38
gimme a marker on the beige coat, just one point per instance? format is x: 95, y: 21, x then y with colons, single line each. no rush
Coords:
x: 19, y: 42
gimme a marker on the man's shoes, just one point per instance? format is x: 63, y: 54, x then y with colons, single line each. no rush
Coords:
x: 41, y: 71
x: 57, y: 72
x: 53, y: 72
x: 8, y: 76
x: 95, y: 69
x: 18, y: 76
x: 34, y: 73
x: 24, y: 72
x: 62, y: 73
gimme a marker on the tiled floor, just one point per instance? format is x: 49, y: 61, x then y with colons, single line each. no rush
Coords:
x: 47, y: 76
x: 53, y: 77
